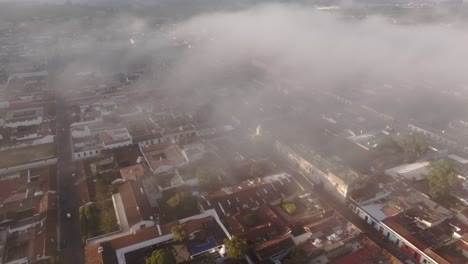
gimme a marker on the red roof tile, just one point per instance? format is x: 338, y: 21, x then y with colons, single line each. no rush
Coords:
x: 272, y: 247
x: 135, y: 203
x: 92, y: 255
x: 132, y: 172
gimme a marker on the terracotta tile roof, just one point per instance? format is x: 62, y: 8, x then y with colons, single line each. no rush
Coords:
x: 47, y: 202
x: 173, y: 155
x: 135, y: 203
x: 138, y: 237
x: 190, y: 226
x: 16, y: 197
x: 92, y: 256
x: 109, y: 247
x: 45, y: 240
x: 269, y: 223
x: 390, y: 211
x: 436, y: 257
x: 400, y: 230
x: 463, y: 245
x: 133, y: 172
x: 272, y: 247
x: 250, y: 194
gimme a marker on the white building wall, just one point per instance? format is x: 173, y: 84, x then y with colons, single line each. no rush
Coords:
x: 141, y: 225
x: 35, y: 121
x: 118, y: 145
x: 150, y: 142
x: 86, y: 154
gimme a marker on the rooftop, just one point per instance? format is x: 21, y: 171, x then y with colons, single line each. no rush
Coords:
x: 164, y: 156
x: 120, y: 249
x: 252, y: 194
x: 133, y: 172
x: 135, y: 204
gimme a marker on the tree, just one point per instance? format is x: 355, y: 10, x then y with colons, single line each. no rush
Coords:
x: 208, y: 179
x: 442, y: 175
x: 161, y: 256
x: 101, y: 190
x: 236, y: 248
x: 178, y: 206
x: 296, y: 256
x: 413, y: 145
x: 179, y: 232
x: 258, y: 169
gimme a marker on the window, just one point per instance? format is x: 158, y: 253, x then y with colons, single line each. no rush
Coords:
x: 424, y: 260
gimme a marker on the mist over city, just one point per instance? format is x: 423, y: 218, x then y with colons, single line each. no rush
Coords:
x: 203, y: 131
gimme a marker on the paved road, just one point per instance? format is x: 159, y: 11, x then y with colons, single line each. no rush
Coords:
x: 69, y: 229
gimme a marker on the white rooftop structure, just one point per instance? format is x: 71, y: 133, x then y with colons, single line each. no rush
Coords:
x: 414, y: 171
x: 458, y: 159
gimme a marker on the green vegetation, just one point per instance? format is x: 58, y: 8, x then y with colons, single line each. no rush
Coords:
x: 208, y: 179
x: 236, y: 248
x: 413, y: 145
x: 289, y: 207
x: 179, y: 232
x: 178, y: 206
x: 161, y: 256
x: 442, y: 175
x: 258, y: 169
x: 296, y: 256
x: 98, y: 218
x: 88, y: 221
x: 179, y: 200
x: 19, y: 156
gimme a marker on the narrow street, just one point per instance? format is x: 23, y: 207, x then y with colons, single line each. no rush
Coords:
x: 71, y: 248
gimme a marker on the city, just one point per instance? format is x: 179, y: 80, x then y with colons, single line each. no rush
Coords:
x: 233, y: 132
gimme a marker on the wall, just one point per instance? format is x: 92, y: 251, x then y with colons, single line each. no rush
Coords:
x: 137, y: 226
x: 329, y: 181
x: 35, y: 121
x: 150, y: 142
x: 436, y: 137
x: 86, y: 154
x: 30, y: 165
x: 118, y: 145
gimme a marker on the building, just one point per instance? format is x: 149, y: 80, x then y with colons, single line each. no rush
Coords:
x: 163, y: 157
x: 415, y: 171
x: 205, y: 233
x: 115, y: 138
x: 24, y: 117
x: 252, y: 194
x: 336, y: 179
x: 408, y: 218
x: 133, y: 210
